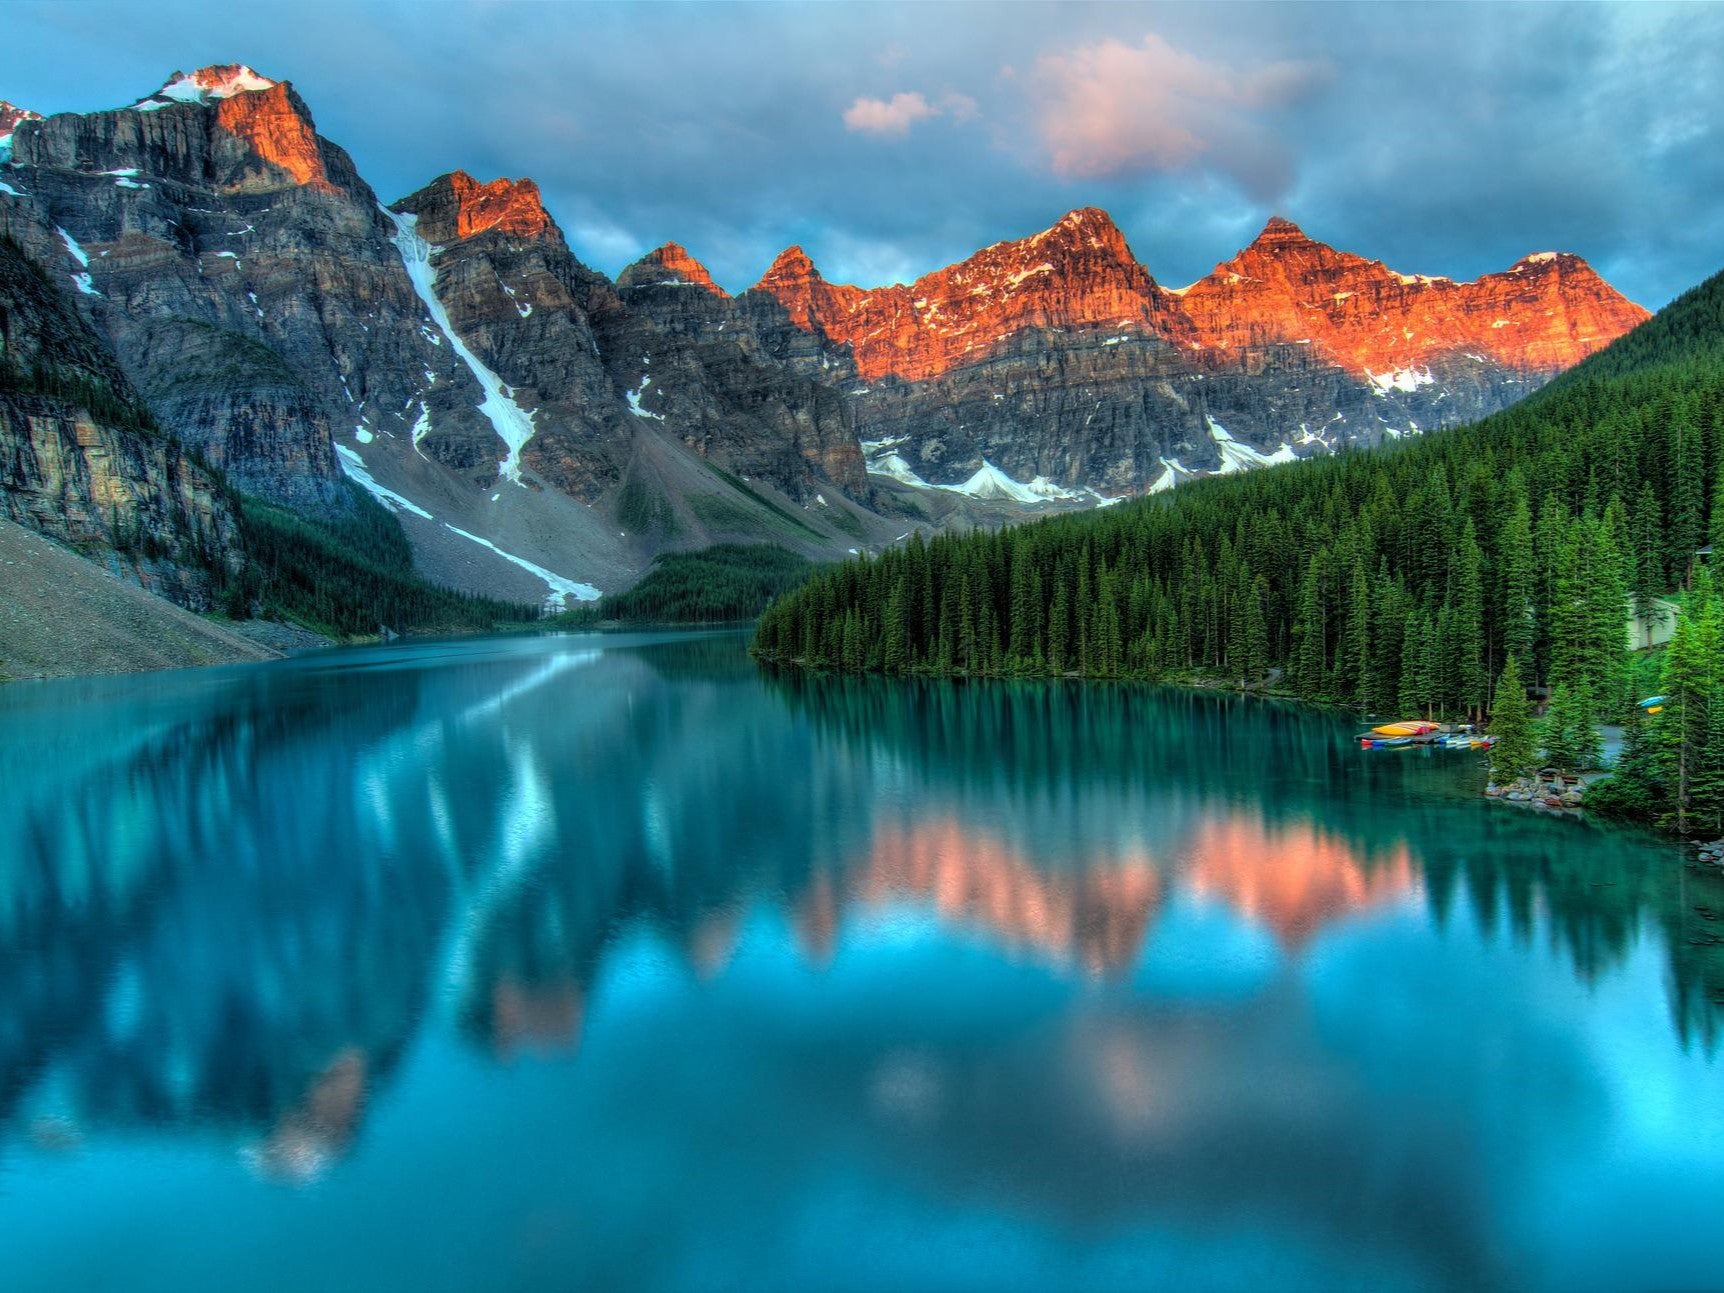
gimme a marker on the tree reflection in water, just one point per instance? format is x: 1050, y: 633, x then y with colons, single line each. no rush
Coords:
x: 235, y: 899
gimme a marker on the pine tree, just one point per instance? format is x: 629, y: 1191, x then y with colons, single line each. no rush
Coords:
x: 1647, y: 527
x: 1514, y: 754
x: 1519, y: 582
x: 895, y: 657
x: 1691, y: 680
x: 1468, y: 630
x: 1706, y: 786
x: 1686, y: 492
x: 1415, y: 666
x: 1059, y: 620
x: 1309, y: 632
x: 1356, y: 681
x: 1256, y: 634
x: 1570, y: 737
x: 1606, y: 618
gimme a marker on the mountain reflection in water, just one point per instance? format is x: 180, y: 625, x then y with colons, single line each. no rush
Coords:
x: 238, y: 903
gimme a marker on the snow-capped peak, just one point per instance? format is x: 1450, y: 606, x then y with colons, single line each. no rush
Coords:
x: 1538, y: 258
x: 207, y: 84
x: 10, y: 115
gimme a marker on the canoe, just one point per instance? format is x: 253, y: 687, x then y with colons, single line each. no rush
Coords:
x: 1467, y: 741
x: 1412, y: 727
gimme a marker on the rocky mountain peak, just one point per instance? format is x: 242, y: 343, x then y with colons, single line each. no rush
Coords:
x: 456, y: 206
x: 1545, y: 313
x: 1281, y: 232
x: 811, y: 302
x: 505, y: 205
x: 1547, y: 262
x: 792, y: 265
x: 676, y: 265
x: 206, y: 85
x: 1086, y: 229
x: 1077, y: 274
x: 11, y: 114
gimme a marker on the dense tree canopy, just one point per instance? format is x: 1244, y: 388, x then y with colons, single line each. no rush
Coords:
x: 726, y: 582
x: 349, y: 577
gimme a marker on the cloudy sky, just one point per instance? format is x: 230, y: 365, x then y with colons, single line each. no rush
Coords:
x: 891, y: 139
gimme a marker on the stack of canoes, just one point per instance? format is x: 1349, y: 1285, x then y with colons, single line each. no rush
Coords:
x: 1467, y: 737
x: 1418, y: 731
x: 1393, y: 735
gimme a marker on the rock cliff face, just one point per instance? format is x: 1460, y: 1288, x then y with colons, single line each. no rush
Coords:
x: 602, y: 365
x: 243, y: 274
x: 1080, y: 273
x: 516, y: 297
x: 732, y: 398
x: 528, y: 420
x: 1059, y: 356
x: 1545, y: 313
x: 80, y: 459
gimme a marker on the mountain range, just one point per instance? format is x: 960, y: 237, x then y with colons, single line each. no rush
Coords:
x: 202, y: 300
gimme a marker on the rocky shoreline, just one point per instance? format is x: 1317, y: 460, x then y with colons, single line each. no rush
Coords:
x: 1541, y: 790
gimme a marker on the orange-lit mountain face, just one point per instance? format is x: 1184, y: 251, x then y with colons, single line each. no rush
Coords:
x: 1078, y: 273
x: 274, y: 122
x: 1059, y: 362
x: 471, y: 208
x: 677, y: 266
x: 1545, y: 313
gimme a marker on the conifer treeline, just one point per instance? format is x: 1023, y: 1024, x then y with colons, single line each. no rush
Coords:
x: 719, y: 584
x: 1399, y: 579
x: 348, y: 577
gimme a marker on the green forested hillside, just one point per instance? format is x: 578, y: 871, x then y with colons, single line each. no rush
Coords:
x: 349, y: 577
x: 1397, y: 579
x: 726, y: 582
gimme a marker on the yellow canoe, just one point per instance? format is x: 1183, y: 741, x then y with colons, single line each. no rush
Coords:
x: 1416, y: 728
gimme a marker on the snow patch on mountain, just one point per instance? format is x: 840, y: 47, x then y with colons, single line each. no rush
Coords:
x: 78, y: 253
x: 894, y: 466
x: 513, y: 424
x: 205, y: 86
x: 1400, y: 379
x: 561, y: 589
x: 1238, y: 456
x: 354, y: 467
x: 634, y: 399
x: 990, y: 482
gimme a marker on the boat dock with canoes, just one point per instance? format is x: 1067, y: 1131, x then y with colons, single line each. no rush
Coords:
x: 1418, y: 731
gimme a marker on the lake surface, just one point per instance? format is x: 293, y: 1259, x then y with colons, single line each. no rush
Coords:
x: 604, y: 962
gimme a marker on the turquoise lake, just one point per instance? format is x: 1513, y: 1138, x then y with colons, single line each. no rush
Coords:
x: 604, y: 962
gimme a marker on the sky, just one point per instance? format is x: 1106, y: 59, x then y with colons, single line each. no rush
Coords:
x: 889, y: 140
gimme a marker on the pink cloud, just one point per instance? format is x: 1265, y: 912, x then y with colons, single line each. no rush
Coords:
x: 1112, y: 109
x: 891, y: 116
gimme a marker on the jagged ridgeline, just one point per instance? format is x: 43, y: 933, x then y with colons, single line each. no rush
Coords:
x: 1395, y: 579
x: 542, y: 433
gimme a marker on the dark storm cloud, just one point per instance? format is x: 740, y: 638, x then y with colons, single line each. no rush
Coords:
x: 889, y: 140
